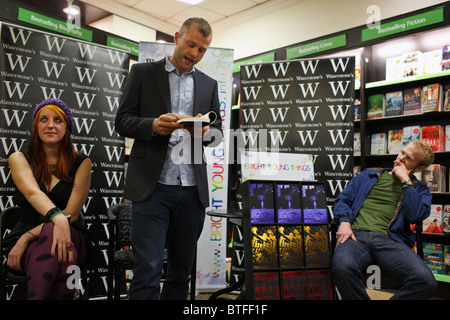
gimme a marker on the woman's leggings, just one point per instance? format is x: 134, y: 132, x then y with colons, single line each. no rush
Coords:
x: 46, y: 277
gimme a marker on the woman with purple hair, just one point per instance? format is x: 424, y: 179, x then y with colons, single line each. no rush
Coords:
x: 53, y: 182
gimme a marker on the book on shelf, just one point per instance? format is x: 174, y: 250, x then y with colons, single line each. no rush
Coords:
x: 446, y: 219
x: 434, y: 177
x: 446, y: 259
x: 204, y: 120
x: 378, y: 143
x: 431, y: 98
x: 446, y: 57
x: 447, y: 137
x: 317, y: 253
x: 357, y: 109
x: 375, y: 106
x: 446, y: 103
x: 433, y: 255
x: 291, y: 246
x: 412, y: 64
x: 435, y: 136
x: 261, y: 202
x: 266, y: 285
x: 320, y: 285
x: 432, y: 61
x: 433, y: 224
x: 288, y: 203
x: 357, y: 143
x: 412, y: 100
x: 264, y: 247
x: 394, y: 68
x: 411, y: 133
x: 314, y: 203
x: 394, y: 103
x: 395, y: 141
x: 295, y: 285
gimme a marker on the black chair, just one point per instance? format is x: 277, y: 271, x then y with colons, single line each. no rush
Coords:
x: 120, y: 256
x: 9, y: 279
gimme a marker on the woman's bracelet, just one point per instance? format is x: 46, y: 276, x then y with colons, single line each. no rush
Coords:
x: 51, y: 213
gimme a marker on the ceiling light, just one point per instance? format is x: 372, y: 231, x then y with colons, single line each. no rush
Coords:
x: 193, y: 2
x: 72, y: 10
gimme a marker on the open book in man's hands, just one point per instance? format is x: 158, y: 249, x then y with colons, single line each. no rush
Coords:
x: 205, y: 119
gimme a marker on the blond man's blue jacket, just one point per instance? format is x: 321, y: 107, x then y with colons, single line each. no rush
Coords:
x: 413, y: 207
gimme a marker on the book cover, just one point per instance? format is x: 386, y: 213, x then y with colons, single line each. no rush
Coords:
x: 411, y: 101
x: 394, y: 68
x: 295, y: 285
x: 320, y: 285
x: 317, y: 252
x: 435, y: 136
x: 395, y: 141
x: 266, y: 286
x: 261, y: 202
x: 411, y: 133
x: 394, y: 103
x: 314, y: 204
x: 288, y: 203
x: 375, y: 106
x: 433, y: 254
x: 447, y: 259
x: 357, y: 143
x: 378, y: 143
x: 412, y: 64
x: 446, y: 57
x: 446, y: 219
x: 291, y: 246
x: 434, y: 177
x: 432, y: 61
x: 264, y: 247
x: 447, y: 137
x: 431, y: 98
x: 446, y: 103
x: 433, y: 224
x: 357, y: 109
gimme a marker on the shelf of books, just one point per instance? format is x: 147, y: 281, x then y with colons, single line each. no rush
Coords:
x: 411, y: 101
x: 287, y: 241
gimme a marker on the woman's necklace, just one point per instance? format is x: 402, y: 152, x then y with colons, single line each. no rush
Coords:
x: 52, y: 168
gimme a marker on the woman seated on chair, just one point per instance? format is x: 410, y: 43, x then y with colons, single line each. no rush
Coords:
x: 53, y: 182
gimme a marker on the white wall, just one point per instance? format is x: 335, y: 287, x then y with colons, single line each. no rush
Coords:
x: 125, y: 28
x: 305, y: 21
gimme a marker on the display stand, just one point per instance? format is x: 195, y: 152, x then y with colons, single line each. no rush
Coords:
x: 286, y: 241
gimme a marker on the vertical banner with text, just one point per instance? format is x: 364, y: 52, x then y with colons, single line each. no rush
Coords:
x: 35, y: 66
x: 212, y: 245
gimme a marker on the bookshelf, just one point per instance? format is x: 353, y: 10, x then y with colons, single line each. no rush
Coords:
x: 375, y: 74
x: 286, y: 240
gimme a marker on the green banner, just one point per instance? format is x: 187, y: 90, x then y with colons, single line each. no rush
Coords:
x: 259, y: 59
x: 124, y: 45
x: 55, y: 25
x: 403, y: 25
x: 316, y: 47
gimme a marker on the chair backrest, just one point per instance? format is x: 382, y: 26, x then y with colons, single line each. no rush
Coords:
x: 121, y: 215
x: 8, y: 219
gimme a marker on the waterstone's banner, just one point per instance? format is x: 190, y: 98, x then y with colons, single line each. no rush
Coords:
x: 36, y: 66
x: 211, y: 249
x: 303, y: 106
